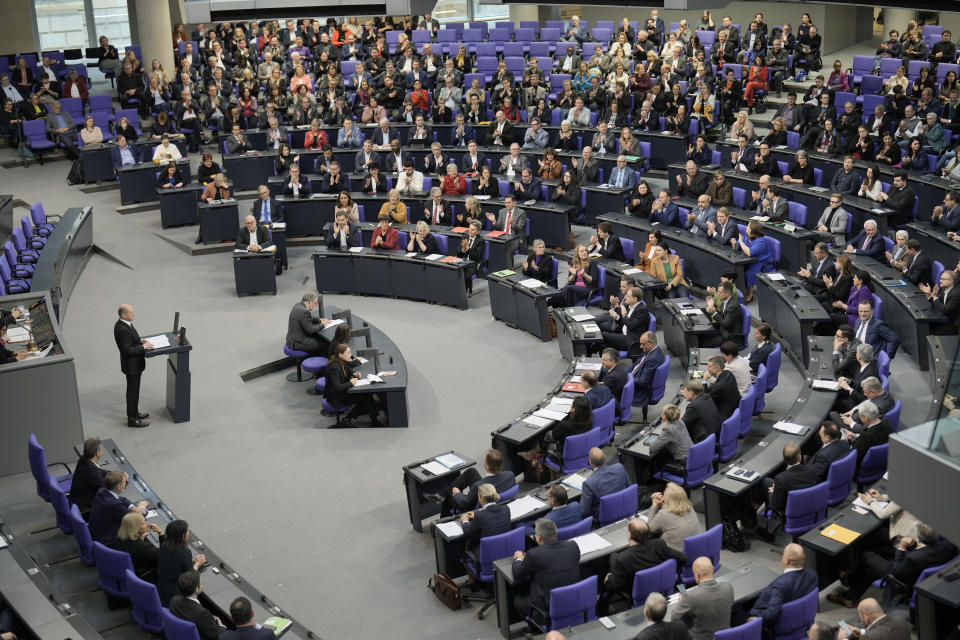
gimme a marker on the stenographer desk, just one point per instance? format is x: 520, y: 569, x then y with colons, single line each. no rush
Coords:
x: 97, y: 160
x: 766, y: 457
x: 684, y: 325
x: 178, y: 205
x: 575, y: 332
x: 392, y: 273
x: 906, y: 309
x: 418, y: 481
x: 254, y: 272
x: 219, y: 220
x: 790, y: 309
x: 934, y: 241
x: 248, y: 170
x: 519, y: 306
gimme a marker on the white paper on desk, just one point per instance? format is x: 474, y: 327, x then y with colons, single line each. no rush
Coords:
x: 151, y: 513
x: 434, y: 468
x: 590, y: 542
x: 372, y: 377
x: 631, y: 271
x: 449, y: 460
x: 574, y: 480
x: 789, y: 427
x: 825, y: 385
x: 573, y: 379
x: 3, y: 542
x: 590, y: 327
x: 588, y: 366
x: 760, y: 218
x: 159, y: 341
x: 355, y: 249
x: 522, y: 506
x: 550, y: 414
x: 362, y: 382
x: 537, y: 421
x: 17, y: 334
x: 482, y: 197
x: 562, y: 401
x: 776, y: 277
x: 450, y: 529
x: 817, y: 189
x: 411, y: 254
x: 690, y: 312
x: 580, y: 315
x: 334, y: 323
x: 559, y: 408
x: 278, y: 225
x: 530, y: 283
x: 863, y: 505
x: 434, y: 256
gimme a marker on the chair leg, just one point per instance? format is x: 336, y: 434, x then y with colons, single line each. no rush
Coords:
x: 298, y: 376
x: 484, y: 608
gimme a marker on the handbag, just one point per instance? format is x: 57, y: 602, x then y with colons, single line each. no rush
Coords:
x: 732, y: 537
x: 446, y: 590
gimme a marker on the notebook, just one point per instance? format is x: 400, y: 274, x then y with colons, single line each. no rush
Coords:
x: 840, y: 534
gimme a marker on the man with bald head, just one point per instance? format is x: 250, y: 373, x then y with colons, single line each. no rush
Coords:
x: 253, y: 237
x: 706, y: 607
x: 795, y: 582
x: 132, y: 362
x: 877, y: 625
x: 642, y: 552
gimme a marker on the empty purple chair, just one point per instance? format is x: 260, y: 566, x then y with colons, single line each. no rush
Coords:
x: 175, y: 628
x: 112, y: 568
x: 145, y: 604
x: 574, y: 530
x: 10, y: 283
x: 41, y: 473
x: 729, y: 437
x: 699, y: 465
x: 18, y: 270
x: 893, y: 416
x: 706, y: 544
x: 660, y: 579
x: 300, y: 356
x: 873, y: 465
x: 806, y: 508
x: 747, y: 402
x: 35, y: 135
x: 480, y: 566
x: 752, y: 630
x: 617, y: 506
x: 60, y: 507
x: 629, y: 249
x: 625, y: 402
x: 41, y: 221
x: 25, y: 255
x: 34, y: 241
x: 575, y: 449
x: 603, y: 417
x: 840, y: 478
x: 796, y: 617
x: 81, y: 533
x: 574, y: 604
x: 797, y: 213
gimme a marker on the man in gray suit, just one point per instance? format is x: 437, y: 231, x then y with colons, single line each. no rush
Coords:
x: 365, y: 156
x: 63, y: 130
x: 775, y: 206
x: 510, y: 219
x: 833, y: 222
x: 877, y: 625
x: 706, y: 607
x: 303, y: 330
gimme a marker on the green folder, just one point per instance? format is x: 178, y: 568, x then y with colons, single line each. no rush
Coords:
x: 279, y: 625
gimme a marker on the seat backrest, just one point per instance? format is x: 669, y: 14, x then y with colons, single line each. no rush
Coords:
x: 492, y: 548
x: 893, y: 416
x: 38, y: 466
x: 773, y: 367
x: 862, y: 65
x: 658, y: 579
x: 752, y: 630
x: 145, y: 603
x: 509, y: 494
x: 603, y: 416
x: 618, y: 505
x: 35, y: 129
x: 759, y: 387
x: 659, y: 384
x: 575, y: 449
x: 745, y: 312
x: 700, y: 461
x: 81, y: 533
x: 706, y: 544
x: 798, y: 213
x: 626, y: 399
x: 874, y: 464
x: 883, y: 363
x: 796, y: 616
x: 111, y: 567
x: 877, y: 306
x: 806, y: 508
x: 60, y: 505
x: 729, y: 437
x: 629, y: 246
x: 935, y: 272
x: 840, y: 478
x: 175, y: 628
x: 573, y: 604
x: 739, y: 195
x: 576, y: 529
x: 889, y: 66
x: 747, y: 402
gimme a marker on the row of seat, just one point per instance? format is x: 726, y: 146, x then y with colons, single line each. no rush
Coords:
x: 22, y: 251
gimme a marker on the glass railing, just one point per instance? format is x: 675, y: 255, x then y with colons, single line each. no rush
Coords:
x: 943, y: 435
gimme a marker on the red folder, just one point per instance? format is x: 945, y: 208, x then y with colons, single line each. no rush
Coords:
x: 574, y: 387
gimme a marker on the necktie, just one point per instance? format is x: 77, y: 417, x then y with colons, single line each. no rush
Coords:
x: 506, y: 224
x: 619, y: 177
x: 861, y: 334
x: 436, y: 214
x: 866, y: 241
x: 266, y: 211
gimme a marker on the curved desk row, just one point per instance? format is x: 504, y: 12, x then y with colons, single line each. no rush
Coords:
x: 791, y: 310
x: 942, y: 355
x: 518, y: 305
x: 64, y: 257
x: 933, y: 239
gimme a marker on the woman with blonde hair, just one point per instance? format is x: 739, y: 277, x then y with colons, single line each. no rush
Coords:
x: 422, y: 241
x: 471, y: 211
x: 396, y: 209
x: 742, y: 125
x: 132, y: 538
x: 582, y: 276
x: 218, y: 189
x: 674, y: 441
x: 672, y: 516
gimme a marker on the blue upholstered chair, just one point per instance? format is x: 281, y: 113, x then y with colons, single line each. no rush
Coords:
x: 41, y: 472
x: 706, y: 544
x: 145, y: 604
x: 618, y: 505
x: 659, y: 579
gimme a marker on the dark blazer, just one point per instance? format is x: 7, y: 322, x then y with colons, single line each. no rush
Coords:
x: 474, y: 253
x: 612, y: 249
x: 643, y: 376
x: 353, y: 237
x: 888, y: 628
x: 874, y: 248
x: 815, y: 281
x: 798, y: 476
x: 697, y: 187
x: 529, y: 191
x: 879, y: 335
x: 342, y: 184
x: 551, y: 565
x: 908, y: 565
x: 615, y: 379
x: 243, y: 237
x: 338, y: 383
x: 369, y: 182
x: 132, y: 360
x: 759, y: 356
x: 723, y: 234
x: 507, y: 135
x: 562, y: 516
x: 544, y: 271
x: 248, y: 633
x: 730, y: 323
x: 302, y: 329
x: 144, y: 556
x: 491, y: 520
x: 949, y: 308
x: 118, y: 159
x: 429, y: 243
x: 171, y: 562
x: 445, y: 210
x: 636, y: 324
x: 276, y: 211
x: 702, y: 418
x: 919, y: 271
x: 87, y: 480
x: 187, y: 609
x: 466, y: 500
x: 725, y: 394
x: 674, y: 630
x: 466, y: 166
x: 105, y: 515
x: 785, y: 588
x: 163, y: 178
x: 605, y: 480
x: 636, y: 557
x: 871, y: 437
x: 827, y: 455
x: 304, y: 188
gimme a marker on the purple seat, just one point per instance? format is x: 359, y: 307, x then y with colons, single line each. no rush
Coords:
x: 629, y: 248
x: 145, y: 604
x: 35, y: 134
x: 574, y: 604
x: 659, y: 579
x: 514, y: 49
x: 320, y: 386
x: 699, y: 465
x: 752, y: 630
x: 492, y: 548
x: 58, y: 499
x: 618, y: 505
x: 806, y: 508
x: 603, y: 418
x: 862, y: 66
x: 25, y: 255
x: 81, y: 533
x: 773, y: 367
x: 893, y: 416
x: 759, y: 390
x: 73, y: 106
x: 840, y: 478
x: 112, y: 568
x: 550, y: 34
x: 102, y: 103
x: 793, y: 140
x: 18, y: 270
x: 574, y: 530
x: 877, y: 304
x: 798, y: 212
x: 706, y: 544
x: 34, y: 241
x: 871, y: 85
x: 729, y: 437
x: 508, y: 494
x: 41, y: 472
x: 10, y: 283
x: 626, y: 400
x: 314, y: 365
x: 41, y: 221
x: 524, y: 34
x: 739, y: 195
x: 796, y: 617
x: 300, y: 356
x: 176, y: 629
x: 873, y: 465
x: 575, y: 450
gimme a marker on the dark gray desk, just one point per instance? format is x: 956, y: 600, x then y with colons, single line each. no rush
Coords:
x: 219, y: 220
x: 138, y: 182
x: 97, y: 162
x: 518, y: 306
x: 665, y: 148
x: 574, y: 337
x: 307, y: 216
x: 791, y: 310
x: 934, y: 241
x: 179, y: 206
x: 254, y: 272
x: 941, y: 352
x: 617, y: 271
x: 418, y: 482
x: 938, y: 604
x: 682, y: 332
x: 248, y: 170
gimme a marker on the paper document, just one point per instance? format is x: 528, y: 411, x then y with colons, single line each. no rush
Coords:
x: 840, y: 534
x: 789, y: 427
x: 550, y: 414
x: 334, y: 323
x: 575, y: 480
x: 372, y: 377
x: 450, y: 529
x: 582, y: 315
x: 433, y: 467
x: 355, y: 249
x: 690, y: 312
x: 362, y: 382
x: 863, y: 505
x: 560, y: 400
x: 531, y: 283
x: 817, y: 189
x: 278, y: 225
x: 240, y: 251
x: 590, y: 327
x: 590, y: 542
x: 537, y: 421
x: 522, y: 506
x: 159, y: 341
x: 151, y: 513
x: 434, y: 256
x: 631, y: 271
x: 278, y: 625
x: 482, y: 197
x: 560, y: 408
x: 449, y: 460
x: 17, y: 334
x: 588, y: 366
x: 825, y: 385
x: 776, y: 277
x: 760, y: 218
x: 574, y: 379
x: 411, y: 254
x: 3, y: 542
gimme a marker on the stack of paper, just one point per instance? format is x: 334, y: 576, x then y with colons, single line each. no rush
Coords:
x: 434, y: 256
x: 588, y: 366
x: 825, y: 385
x: 590, y: 327
x: 690, y: 312
x: 450, y: 460
x: 776, y: 277
x: 17, y: 334
x: 590, y: 542
x: 450, y: 529
x: 159, y: 341
x: 433, y: 467
x: 537, y: 421
x: 631, y: 271
x: 560, y: 400
x: 789, y: 427
x: 522, y: 506
x: 574, y: 480
x: 334, y: 323
x: 531, y: 283
x: 863, y: 505
x: 550, y: 414
x: 356, y: 249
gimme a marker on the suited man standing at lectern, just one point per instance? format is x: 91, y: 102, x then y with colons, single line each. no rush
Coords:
x: 132, y: 362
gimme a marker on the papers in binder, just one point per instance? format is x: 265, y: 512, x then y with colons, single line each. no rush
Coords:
x: 531, y: 283
x: 17, y: 334
x: 590, y: 327
x: 580, y: 315
x: 372, y: 377
x: 458, y: 230
x: 537, y: 421
x: 840, y: 534
x: 434, y: 256
x: 776, y: 277
x: 760, y: 218
x: 434, y: 468
x: 561, y: 401
x: 574, y: 480
x: 817, y: 189
x: 278, y: 225
x: 574, y: 387
x: 550, y: 414
x: 450, y: 529
x: 278, y: 625
x: 449, y: 460
x: 522, y: 506
x: 590, y: 542
x: 690, y: 312
x: 825, y: 385
x: 574, y: 379
x: 631, y: 271
x: 355, y: 249
x: 494, y: 234
x: 789, y: 427
x: 334, y: 323
x: 159, y: 341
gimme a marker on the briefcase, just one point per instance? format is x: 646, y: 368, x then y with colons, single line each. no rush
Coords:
x: 446, y: 590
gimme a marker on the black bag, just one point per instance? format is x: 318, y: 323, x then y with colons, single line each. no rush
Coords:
x: 732, y: 537
x: 76, y: 172
x: 446, y: 590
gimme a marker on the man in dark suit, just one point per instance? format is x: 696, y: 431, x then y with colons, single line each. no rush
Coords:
x: 875, y: 332
x: 832, y: 449
x: 629, y: 326
x: 303, y: 330
x: 795, y: 476
x: 870, y: 389
x: 727, y: 320
x: 489, y: 520
x: 606, y: 479
x: 920, y: 269
x: 500, y: 131
x: 845, y: 352
x: 186, y: 606
x: 88, y: 476
x: 123, y: 154
x: 611, y: 374
x: 693, y: 183
x: 763, y: 348
x: 253, y: 237
x: 132, y: 362
x: 596, y: 394
x: 822, y: 265
x: 900, y: 198
x: 617, y: 306
x: 526, y: 187
x: 866, y: 368
x: 701, y: 415
x: 562, y: 512
x: 344, y: 234
x: 606, y: 244
x: 724, y: 229
x: 436, y: 210
x: 241, y: 612
x: 109, y: 507
x: 472, y: 160
x: 335, y: 180
x: 793, y: 583
x: 705, y: 608
x: 461, y: 494
x: 723, y: 390
x: 877, y: 625
x: 643, y: 552
x: 265, y: 208
x: 908, y: 563
x: 644, y: 371
x: 945, y: 298
x: 868, y: 242
x: 876, y: 431
x: 655, y: 610
x: 237, y: 142
x: 553, y: 563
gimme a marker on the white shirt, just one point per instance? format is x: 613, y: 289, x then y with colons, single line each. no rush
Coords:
x: 740, y: 369
x: 629, y: 314
x: 253, y: 237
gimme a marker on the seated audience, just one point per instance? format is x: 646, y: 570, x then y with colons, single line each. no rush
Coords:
x: 606, y: 479
x: 642, y: 552
x: 109, y: 507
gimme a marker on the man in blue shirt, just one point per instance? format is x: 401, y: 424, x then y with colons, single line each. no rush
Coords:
x: 847, y: 181
x: 948, y: 215
x: 123, y: 154
x: 63, y: 130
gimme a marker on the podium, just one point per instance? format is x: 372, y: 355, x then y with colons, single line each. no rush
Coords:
x: 178, y: 375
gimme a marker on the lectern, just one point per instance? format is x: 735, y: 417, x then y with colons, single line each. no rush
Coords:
x: 178, y: 374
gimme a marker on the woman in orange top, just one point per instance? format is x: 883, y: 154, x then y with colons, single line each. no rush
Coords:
x: 645, y: 259
x: 316, y: 138
x: 216, y: 190
x: 420, y: 98
x: 453, y: 182
x: 757, y: 80
x: 550, y: 167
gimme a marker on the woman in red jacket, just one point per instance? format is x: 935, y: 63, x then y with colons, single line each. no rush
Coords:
x: 453, y: 182
x: 316, y: 138
x: 384, y: 236
x: 757, y: 80
x: 75, y: 87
